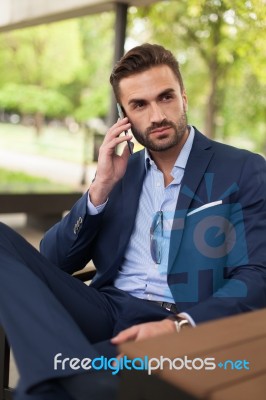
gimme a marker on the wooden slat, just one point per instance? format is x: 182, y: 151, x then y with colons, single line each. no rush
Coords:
x: 254, y: 388
x: 39, y: 203
x: 241, y: 337
x: 207, y: 337
x: 207, y: 382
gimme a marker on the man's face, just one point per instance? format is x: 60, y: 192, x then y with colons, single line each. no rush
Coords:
x: 156, y: 108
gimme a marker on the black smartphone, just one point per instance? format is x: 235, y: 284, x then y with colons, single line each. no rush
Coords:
x: 121, y: 116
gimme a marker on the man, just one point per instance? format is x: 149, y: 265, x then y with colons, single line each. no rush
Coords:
x: 176, y: 232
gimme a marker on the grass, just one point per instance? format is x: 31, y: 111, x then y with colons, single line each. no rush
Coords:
x: 19, y: 182
x: 54, y: 141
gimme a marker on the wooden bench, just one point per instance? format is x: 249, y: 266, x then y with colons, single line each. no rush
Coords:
x: 43, y: 209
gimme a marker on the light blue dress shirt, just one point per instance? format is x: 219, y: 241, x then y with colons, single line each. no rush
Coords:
x: 139, y: 275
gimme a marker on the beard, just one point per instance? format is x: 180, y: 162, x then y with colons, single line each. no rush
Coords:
x: 165, y: 142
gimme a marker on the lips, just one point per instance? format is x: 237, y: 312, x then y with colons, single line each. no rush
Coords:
x: 160, y: 130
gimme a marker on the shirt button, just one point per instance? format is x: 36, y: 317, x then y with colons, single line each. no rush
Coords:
x: 158, y: 184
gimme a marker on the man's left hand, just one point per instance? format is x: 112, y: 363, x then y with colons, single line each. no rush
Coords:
x: 144, y: 331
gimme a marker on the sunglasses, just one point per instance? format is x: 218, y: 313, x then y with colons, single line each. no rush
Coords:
x: 156, y: 235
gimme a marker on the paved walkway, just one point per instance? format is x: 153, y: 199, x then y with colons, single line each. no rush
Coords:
x: 56, y: 170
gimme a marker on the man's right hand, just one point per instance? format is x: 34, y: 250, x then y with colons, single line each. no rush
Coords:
x: 111, y: 166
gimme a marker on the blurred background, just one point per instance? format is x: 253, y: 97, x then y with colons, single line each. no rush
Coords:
x: 56, y: 102
x: 55, y: 96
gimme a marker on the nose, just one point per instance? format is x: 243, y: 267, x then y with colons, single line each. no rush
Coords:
x: 156, y: 113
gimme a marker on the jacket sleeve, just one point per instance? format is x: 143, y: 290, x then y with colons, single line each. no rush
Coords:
x: 69, y: 243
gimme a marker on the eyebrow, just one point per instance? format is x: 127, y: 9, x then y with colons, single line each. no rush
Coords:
x: 166, y: 91
x: 163, y: 93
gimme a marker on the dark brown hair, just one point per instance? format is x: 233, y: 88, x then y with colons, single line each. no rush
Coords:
x: 140, y: 59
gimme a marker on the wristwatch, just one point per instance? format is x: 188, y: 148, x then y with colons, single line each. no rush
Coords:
x: 179, y: 322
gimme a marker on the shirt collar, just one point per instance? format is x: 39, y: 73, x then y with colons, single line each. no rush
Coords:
x: 182, y: 158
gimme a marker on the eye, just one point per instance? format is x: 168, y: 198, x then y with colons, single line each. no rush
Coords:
x: 138, y: 105
x: 167, y: 97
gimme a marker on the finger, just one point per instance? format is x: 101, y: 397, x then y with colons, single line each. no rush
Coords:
x: 112, y: 144
x: 121, y: 120
x: 124, y: 336
x: 110, y: 136
x: 116, y: 130
x: 126, y: 152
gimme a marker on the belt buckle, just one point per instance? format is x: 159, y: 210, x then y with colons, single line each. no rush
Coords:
x: 167, y: 306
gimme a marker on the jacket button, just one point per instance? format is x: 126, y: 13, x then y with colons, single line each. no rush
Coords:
x: 77, y: 225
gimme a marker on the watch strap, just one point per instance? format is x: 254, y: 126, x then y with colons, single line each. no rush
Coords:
x: 179, y: 322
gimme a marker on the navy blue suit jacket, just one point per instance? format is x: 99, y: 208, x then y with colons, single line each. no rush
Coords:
x: 217, y: 258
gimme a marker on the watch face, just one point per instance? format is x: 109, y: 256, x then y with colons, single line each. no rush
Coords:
x: 179, y: 322
x: 183, y: 323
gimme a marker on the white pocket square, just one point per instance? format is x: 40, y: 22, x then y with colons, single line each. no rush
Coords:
x: 212, y: 204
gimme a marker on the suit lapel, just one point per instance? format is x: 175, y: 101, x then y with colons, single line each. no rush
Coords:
x: 199, y: 159
x: 131, y: 190
x: 131, y: 186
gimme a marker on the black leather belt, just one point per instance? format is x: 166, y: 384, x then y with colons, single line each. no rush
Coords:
x: 168, y: 306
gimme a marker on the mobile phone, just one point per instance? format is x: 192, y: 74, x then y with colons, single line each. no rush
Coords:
x: 121, y: 116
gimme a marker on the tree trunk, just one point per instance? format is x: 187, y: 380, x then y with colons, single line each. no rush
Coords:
x: 38, y: 123
x: 212, y: 101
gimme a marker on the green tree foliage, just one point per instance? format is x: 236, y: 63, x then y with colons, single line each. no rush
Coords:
x: 34, y: 100
x: 57, y: 65
x: 94, y: 102
x: 34, y: 62
x: 219, y: 44
x: 30, y: 99
x: 97, y: 38
x: 45, y: 55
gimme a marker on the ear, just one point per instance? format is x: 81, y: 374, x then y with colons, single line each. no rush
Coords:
x: 185, y: 101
